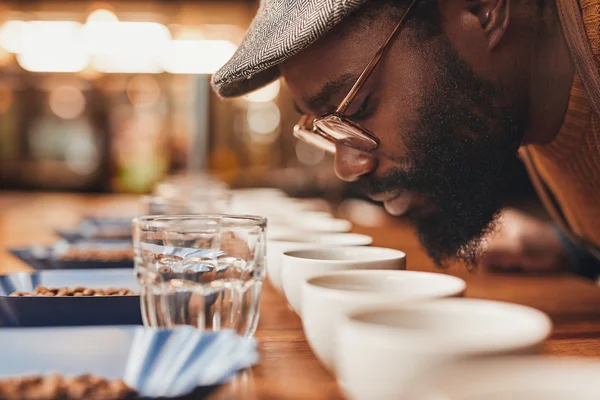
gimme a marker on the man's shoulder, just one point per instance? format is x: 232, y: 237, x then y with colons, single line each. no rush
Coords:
x: 580, y: 20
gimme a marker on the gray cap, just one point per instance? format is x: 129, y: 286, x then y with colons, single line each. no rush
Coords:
x: 280, y: 29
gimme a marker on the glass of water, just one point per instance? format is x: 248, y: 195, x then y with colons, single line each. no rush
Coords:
x: 204, y: 270
x: 209, y: 202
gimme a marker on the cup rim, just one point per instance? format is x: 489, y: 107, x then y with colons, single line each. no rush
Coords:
x: 323, y: 235
x: 456, y: 288
x: 390, y: 334
x: 394, y: 254
x: 246, y: 219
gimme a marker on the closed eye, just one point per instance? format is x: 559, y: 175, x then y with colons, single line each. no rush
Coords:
x: 363, y: 111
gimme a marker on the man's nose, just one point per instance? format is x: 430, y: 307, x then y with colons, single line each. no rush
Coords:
x: 350, y: 164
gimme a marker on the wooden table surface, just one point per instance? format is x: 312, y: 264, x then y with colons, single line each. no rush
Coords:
x: 288, y: 369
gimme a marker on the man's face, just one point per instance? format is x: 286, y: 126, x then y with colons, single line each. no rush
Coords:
x: 447, y: 136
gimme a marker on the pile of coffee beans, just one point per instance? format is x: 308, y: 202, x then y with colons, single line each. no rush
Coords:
x: 56, y: 387
x: 74, y: 291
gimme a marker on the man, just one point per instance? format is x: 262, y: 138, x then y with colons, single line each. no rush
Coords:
x: 427, y: 103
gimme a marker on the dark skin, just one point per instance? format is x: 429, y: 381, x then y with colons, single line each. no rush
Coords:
x: 517, y: 46
x: 536, y: 64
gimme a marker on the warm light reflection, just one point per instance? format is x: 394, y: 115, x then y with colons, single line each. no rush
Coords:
x: 67, y: 102
x: 265, y: 94
x: 121, y: 38
x: 133, y: 64
x: 197, y: 56
x: 143, y: 91
x: 263, y: 120
x: 126, y: 47
x: 102, y: 15
x: 308, y: 154
x: 11, y: 35
x: 112, y: 46
x: 52, y: 46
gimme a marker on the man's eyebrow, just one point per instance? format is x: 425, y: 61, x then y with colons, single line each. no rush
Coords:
x: 323, y: 99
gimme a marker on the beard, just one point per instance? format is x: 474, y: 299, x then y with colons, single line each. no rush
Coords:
x: 459, y: 154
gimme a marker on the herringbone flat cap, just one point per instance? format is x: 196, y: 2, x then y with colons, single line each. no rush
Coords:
x: 280, y: 29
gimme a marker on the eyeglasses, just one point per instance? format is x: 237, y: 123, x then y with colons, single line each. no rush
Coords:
x: 327, y: 130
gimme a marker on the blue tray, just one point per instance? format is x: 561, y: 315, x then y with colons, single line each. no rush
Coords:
x: 26, y: 256
x: 69, y: 311
x: 81, y: 233
x: 75, y: 236
x: 102, y: 351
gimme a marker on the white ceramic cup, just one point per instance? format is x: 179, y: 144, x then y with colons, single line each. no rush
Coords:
x: 327, y: 298
x: 381, y: 351
x: 309, y: 221
x: 510, y: 378
x: 299, y: 265
x: 298, y: 240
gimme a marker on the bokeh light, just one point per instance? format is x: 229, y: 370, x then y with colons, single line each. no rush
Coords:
x: 67, y: 102
x: 308, y: 154
x: 196, y: 56
x: 143, y: 91
x: 52, y: 46
x: 126, y: 47
x: 11, y: 35
x: 265, y: 94
x: 263, y: 118
x: 102, y: 15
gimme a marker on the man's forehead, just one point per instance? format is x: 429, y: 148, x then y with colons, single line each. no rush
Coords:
x: 325, y: 71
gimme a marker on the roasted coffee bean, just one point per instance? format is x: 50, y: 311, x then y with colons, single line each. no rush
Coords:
x: 78, y: 291
x: 165, y: 270
x: 55, y: 387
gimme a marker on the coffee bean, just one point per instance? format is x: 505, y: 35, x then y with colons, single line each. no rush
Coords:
x: 78, y: 291
x: 55, y: 387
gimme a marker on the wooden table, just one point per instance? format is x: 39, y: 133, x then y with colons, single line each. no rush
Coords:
x: 288, y: 369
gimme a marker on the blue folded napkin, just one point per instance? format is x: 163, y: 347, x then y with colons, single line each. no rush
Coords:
x: 172, y: 363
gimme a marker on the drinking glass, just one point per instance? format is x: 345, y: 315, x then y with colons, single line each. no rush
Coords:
x: 203, y: 270
x: 188, y: 185
x: 209, y: 202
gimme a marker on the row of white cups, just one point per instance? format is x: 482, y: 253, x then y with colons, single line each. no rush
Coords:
x: 388, y: 333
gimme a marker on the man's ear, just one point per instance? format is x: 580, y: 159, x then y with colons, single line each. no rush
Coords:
x: 493, y: 16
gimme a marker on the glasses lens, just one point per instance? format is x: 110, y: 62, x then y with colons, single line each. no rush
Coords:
x: 314, y: 139
x: 345, y: 132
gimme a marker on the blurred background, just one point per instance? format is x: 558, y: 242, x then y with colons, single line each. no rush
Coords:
x: 113, y: 96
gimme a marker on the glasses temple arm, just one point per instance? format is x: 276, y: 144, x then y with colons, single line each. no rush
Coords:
x: 372, y: 64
